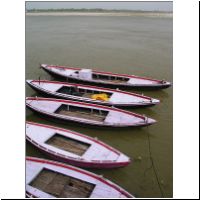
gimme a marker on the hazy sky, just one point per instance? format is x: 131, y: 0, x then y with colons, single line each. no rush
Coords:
x: 147, y: 6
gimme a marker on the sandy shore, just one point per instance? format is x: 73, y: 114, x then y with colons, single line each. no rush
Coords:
x: 147, y: 14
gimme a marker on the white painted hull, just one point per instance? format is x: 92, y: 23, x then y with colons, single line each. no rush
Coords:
x: 103, y: 188
x: 97, y: 155
x: 117, y: 97
x: 113, y: 118
x: 108, y: 77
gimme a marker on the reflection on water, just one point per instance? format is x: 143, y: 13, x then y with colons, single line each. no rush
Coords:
x: 133, y: 45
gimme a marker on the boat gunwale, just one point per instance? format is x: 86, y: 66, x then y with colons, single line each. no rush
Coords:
x: 81, y: 171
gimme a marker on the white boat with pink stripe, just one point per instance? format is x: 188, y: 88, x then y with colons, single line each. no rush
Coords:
x: 106, y: 78
x: 50, y: 179
x: 86, y: 113
x: 73, y: 91
x: 74, y: 148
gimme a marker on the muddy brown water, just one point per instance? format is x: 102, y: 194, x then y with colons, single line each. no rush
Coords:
x: 135, y: 45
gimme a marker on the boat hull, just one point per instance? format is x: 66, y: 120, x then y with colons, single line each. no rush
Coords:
x: 97, y: 165
x: 51, y: 94
x: 38, y: 135
x: 87, y: 113
x: 69, y: 171
x: 106, y: 84
x: 64, y: 121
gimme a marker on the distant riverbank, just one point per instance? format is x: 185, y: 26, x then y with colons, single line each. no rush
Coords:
x: 96, y: 12
x: 99, y: 14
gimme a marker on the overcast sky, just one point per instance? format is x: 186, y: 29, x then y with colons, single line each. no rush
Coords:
x: 147, y: 6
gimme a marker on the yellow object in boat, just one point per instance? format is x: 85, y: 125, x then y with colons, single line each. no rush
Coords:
x: 102, y: 97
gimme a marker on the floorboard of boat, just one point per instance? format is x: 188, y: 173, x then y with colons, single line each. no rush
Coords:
x: 62, y: 186
x: 68, y: 144
x: 84, y: 115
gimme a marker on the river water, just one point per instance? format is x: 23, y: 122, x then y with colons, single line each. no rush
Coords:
x: 124, y: 44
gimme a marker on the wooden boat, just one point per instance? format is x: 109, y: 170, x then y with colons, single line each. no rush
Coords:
x: 106, y: 78
x: 85, y: 113
x: 74, y: 148
x: 91, y: 94
x: 50, y: 179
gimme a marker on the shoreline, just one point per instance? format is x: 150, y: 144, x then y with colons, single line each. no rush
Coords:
x: 145, y: 14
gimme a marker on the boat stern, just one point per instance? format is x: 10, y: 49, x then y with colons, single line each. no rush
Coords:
x: 165, y: 84
x: 29, y: 82
x: 28, y: 101
x: 43, y: 65
x: 155, y: 101
x: 150, y: 121
x: 145, y: 122
x: 123, y: 160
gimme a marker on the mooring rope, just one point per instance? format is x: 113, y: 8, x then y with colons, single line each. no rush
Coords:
x: 153, y: 166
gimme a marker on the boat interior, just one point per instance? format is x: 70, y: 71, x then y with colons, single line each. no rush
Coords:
x: 82, y: 112
x: 68, y: 144
x: 114, y: 79
x: 88, y: 93
x: 61, y: 186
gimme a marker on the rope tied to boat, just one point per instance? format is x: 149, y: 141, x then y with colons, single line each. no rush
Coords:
x: 153, y: 165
